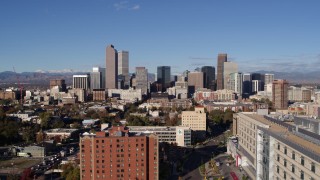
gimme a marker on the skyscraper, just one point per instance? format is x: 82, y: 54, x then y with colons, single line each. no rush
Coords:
x: 280, y: 94
x: 164, y: 77
x: 195, y: 81
x: 220, y: 63
x: 97, y: 80
x: 209, y: 76
x: 142, y: 79
x: 111, y: 68
x: 268, y: 78
x: 81, y: 82
x: 236, y: 82
x: 228, y: 68
x: 123, y: 66
x: 246, y: 86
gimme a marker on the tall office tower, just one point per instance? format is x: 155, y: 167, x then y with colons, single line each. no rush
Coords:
x: 256, y: 86
x: 209, y: 76
x: 222, y: 58
x: 246, y: 86
x: 195, y: 81
x: 119, y: 154
x: 81, y: 82
x: 58, y: 82
x: 268, y: 78
x: 142, y: 79
x: 228, y: 68
x: 236, y: 83
x: 260, y: 78
x: 123, y: 66
x: 96, y: 78
x: 111, y: 68
x: 164, y: 77
x: 280, y: 94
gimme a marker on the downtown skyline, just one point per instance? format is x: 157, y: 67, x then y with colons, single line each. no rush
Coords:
x: 56, y: 35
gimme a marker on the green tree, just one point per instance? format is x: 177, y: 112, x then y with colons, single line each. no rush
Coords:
x: 228, y: 116
x: 45, y: 117
x: 70, y: 172
x: 216, y: 116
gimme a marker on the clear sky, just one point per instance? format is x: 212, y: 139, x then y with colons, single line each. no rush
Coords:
x: 281, y: 35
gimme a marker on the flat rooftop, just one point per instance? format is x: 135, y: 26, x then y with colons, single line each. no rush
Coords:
x: 275, y: 128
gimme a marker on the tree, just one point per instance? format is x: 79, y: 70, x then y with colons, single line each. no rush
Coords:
x: 216, y: 116
x: 70, y: 172
x: 40, y: 137
x: 45, y: 116
x: 228, y: 116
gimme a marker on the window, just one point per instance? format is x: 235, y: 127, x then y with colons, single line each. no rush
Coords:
x: 278, y: 157
x: 285, y: 163
x: 301, y: 175
x: 278, y: 146
x: 285, y: 150
x: 278, y: 169
x: 284, y: 175
x: 293, y: 155
x: 313, y: 167
x: 302, y: 161
x: 292, y: 168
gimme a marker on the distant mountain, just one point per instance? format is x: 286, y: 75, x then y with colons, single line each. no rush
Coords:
x: 296, y: 77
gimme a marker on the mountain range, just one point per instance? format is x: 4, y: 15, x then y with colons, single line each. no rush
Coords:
x: 43, y: 77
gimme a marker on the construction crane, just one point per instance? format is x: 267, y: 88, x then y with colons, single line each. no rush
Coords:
x: 20, y: 86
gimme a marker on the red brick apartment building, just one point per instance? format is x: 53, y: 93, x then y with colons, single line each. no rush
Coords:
x: 119, y: 155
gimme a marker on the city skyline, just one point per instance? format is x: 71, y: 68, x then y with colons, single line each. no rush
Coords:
x: 60, y: 35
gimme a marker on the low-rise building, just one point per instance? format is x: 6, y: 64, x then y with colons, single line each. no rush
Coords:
x: 61, y: 133
x: 126, y: 94
x: 178, y: 135
x: 196, y: 119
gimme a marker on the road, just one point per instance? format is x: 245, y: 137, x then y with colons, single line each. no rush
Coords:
x: 198, y: 156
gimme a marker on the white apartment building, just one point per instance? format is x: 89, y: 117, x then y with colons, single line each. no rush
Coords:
x: 179, y: 135
x: 126, y: 94
x: 273, y: 149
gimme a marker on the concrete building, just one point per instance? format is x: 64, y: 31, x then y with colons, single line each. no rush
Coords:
x: 178, y: 135
x: 272, y: 149
x: 61, y: 133
x: 119, y: 154
x: 219, y: 95
x: 209, y: 73
x: 123, y: 66
x: 268, y: 78
x: 126, y: 94
x: 195, y: 81
x: 178, y: 92
x: 222, y: 58
x: 61, y: 83
x: 196, y: 119
x: 300, y: 94
x: 81, y: 82
x: 111, y: 67
x: 98, y: 94
x: 142, y: 79
x: 280, y: 94
x: 228, y: 68
x: 81, y: 94
x: 236, y: 82
x: 164, y: 77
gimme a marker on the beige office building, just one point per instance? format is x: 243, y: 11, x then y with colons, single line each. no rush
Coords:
x: 228, y: 68
x: 196, y: 79
x: 196, y: 119
x: 111, y: 68
x: 273, y: 149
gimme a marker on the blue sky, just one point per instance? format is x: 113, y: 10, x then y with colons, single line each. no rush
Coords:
x: 73, y: 34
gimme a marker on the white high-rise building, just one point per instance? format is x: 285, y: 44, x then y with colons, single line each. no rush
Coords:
x: 236, y: 82
x: 268, y: 78
x: 228, y: 68
x: 97, y: 78
x: 142, y: 79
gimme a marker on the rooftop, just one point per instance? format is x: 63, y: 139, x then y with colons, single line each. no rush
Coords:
x: 277, y: 129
